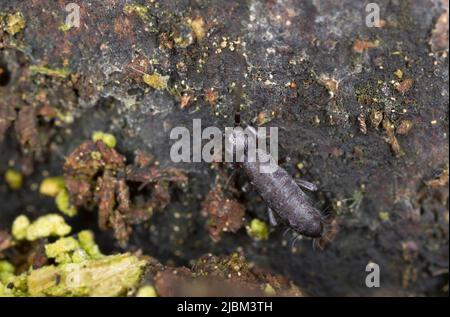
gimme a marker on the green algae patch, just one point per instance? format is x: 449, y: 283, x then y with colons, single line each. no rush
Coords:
x: 57, y: 72
x: 50, y: 225
x: 110, y: 276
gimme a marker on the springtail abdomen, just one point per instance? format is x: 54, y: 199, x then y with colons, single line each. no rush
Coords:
x: 281, y: 192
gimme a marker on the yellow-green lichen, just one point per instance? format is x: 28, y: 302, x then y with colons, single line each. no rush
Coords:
x: 63, y: 204
x: 384, y: 215
x: 51, y: 186
x: 10, y: 284
x: 138, y: 9
x: 57, y: 72
x: 65, y: 27
x: 107, y: 138
x: 14, y: 179
x: 5, y: 291
x: 258, y: 229
x: 198, y: 27
x: 156, y: 81
x: 6, y: 272
x: 81, y: 270
x: 87, y: 243
x: 110, y: 276
x: 20, y: 227
x: 15, y: 23
x: 96, y: 155
x: 43, y: 227
x: 146, y: 291
x: 269, y: 290
x: 62, y: 249
x: 71, y: 250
